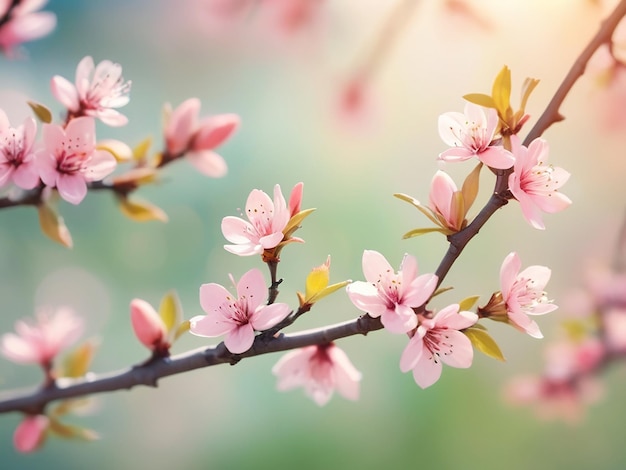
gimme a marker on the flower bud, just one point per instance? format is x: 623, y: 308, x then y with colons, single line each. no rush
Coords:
x: 30, y: 433
x: 148, y: 325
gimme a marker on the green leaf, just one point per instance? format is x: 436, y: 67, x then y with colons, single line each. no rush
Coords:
x: 468, y: 302
x: 441, y: 290
x: 171, y: 312
x: 182, y: 328
x: 527, y: 88
x: 484, y: 343
x: 42, y: 113
x: 480, y: 99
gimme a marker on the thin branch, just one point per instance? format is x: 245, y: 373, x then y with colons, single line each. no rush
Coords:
x: 148, y: 374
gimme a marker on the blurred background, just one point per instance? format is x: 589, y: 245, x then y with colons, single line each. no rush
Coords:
x: 288, y: 80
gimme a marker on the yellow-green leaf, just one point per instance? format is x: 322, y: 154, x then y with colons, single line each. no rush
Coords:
x: 470, y: 187
x: 501, y: 91
x: 527, y: 88
x: 42, y: 112
x: 69, y: 431
x: 441, y: 290
x: 182, y: 328
x: 140, y: 210
x: 328, y: 290
x: 53, y: 226
x: 295, y: 221
x: 415, y: 203
x: 140, y: 152
x: 482, y: 341
x: 468, y: 302
x: 77, y: 362
x: 421, y: 231
x: 480, y: 99
x: 171, y: 312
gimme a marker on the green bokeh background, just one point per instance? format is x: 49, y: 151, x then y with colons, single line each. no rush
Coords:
x: 286, y: 88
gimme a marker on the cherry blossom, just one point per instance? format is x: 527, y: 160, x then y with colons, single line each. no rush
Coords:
x: 470, y: 134
x: 523, y: 293
x: 534, y: 184
x: 148, y: 326
x: 237, y: 318
x: 17, y: 153
x: 438, y: 340
x: 389, y: 295
x: 41, y: 341
x: 69, y: 158
x: 614, y: 322
x: 319, y: 369
x: 30, y: 433
x: 197, y: 140
x: 98, y: 90
x: 23, y: 23
x: 264, y: 230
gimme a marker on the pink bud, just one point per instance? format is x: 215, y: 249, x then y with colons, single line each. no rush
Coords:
x: 295, y: 199
x: 214, y: 131
x: 30, y: 433
x: 148, y: 325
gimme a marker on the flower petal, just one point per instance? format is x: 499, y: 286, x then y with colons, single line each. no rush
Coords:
x: 240, y: 339
x: 208, y: 163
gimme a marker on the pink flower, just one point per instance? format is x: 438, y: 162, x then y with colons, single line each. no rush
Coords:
x: 319, y: 370
x: 265, y: 229
x: 295, y: 199
x: 148, y: 326
x: 524, y: 294
x: 23, y: 23
x: 30, y: 433
x: 438, y: 340
x: 40, y: 342
x: 534, y: 184
x: 69, y: 158
x: 470, y: 135
x: 389, y: 295
x: 98, y: 90
x: 17, y: 158
x: 237, y: 318
x: 197, y: 140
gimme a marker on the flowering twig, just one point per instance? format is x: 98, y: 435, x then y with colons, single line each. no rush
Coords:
x: 149, y: 373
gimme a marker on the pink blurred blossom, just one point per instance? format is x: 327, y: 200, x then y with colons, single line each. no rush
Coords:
x: 607, y: 287
x: 17, y: 153
x: 237, y: 318
x: 523, y: 293
x: 148, y: 326
x: 470, y: 135
x: 554, y: 399
x: 614, y: 329
x: 389, y: 295
x: 438, y: 340
x: 69, y: 159
x: 98, y: 90
x: 290, y: 16
x: 197, y: 140
x: 534, y: 184
x: 23, y: 23
x: 30, y: 433
x: 319, y: 369
x: 264, y: 231
x: 40, y: 341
